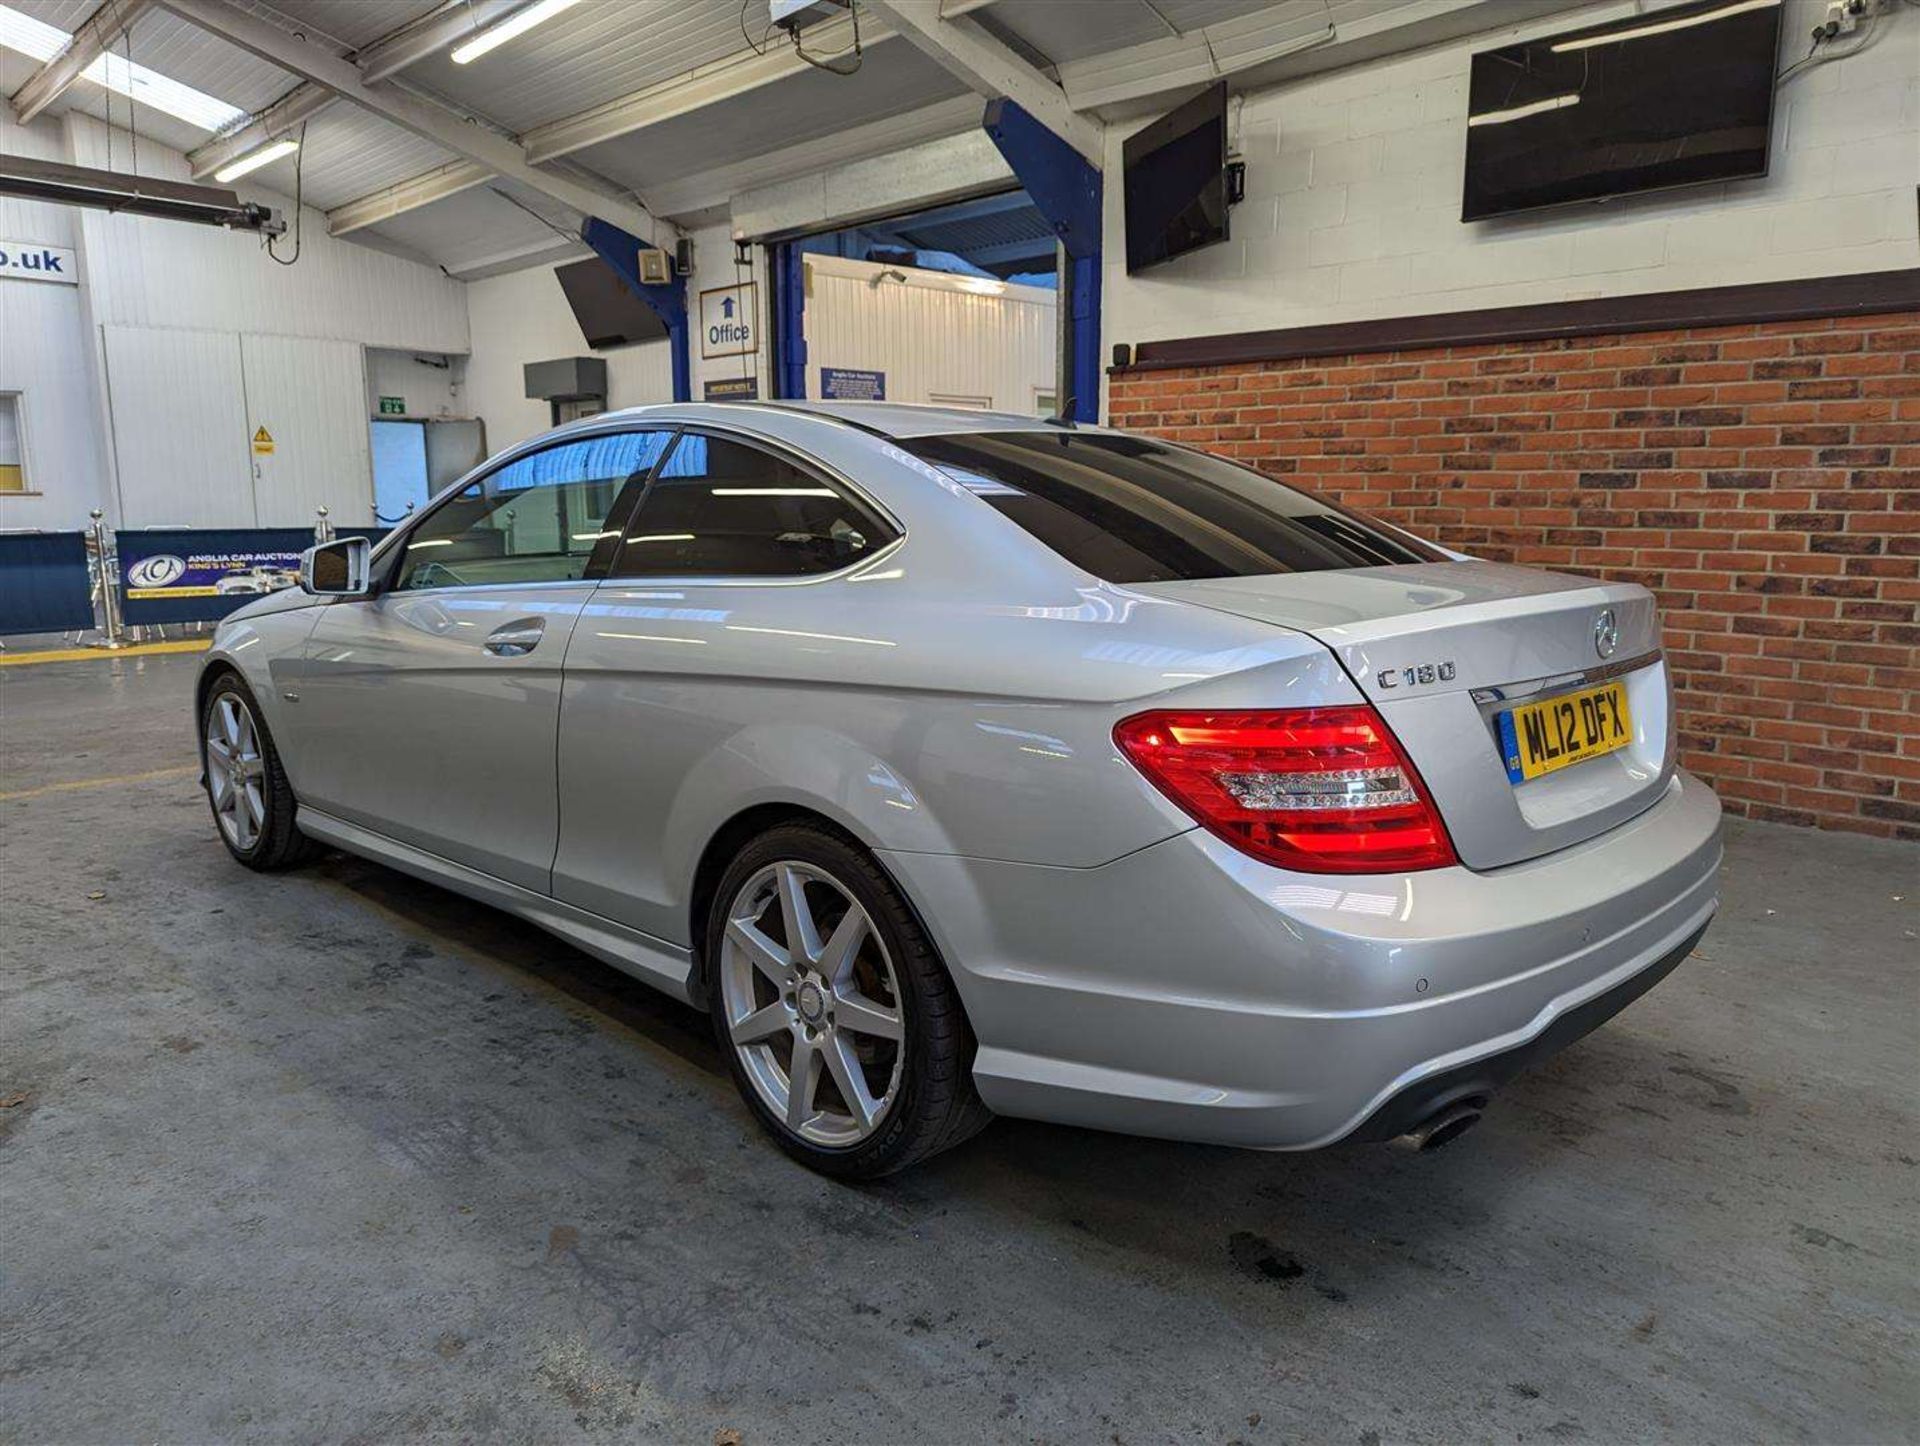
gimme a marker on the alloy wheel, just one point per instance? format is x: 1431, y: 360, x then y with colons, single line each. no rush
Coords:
x: 813, y: 1005
x: 236, y: 771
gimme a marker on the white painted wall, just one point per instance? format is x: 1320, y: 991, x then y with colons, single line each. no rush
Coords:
x: 142, y: 272
x: 1354, y: 182
x: 167, y: 277
x: 523, y: 317
x: 713, y: 268
x: 44, y: 357
x: 938, y: 338
x: 428, y: 390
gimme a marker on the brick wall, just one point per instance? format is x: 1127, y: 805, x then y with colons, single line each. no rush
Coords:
x: 1763, y: 480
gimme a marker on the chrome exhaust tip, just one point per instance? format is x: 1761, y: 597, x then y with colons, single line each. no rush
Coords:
x: 1443, y: 1126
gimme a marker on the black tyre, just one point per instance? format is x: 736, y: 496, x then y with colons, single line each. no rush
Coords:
x: 253, y: 805
x: 818, y: 975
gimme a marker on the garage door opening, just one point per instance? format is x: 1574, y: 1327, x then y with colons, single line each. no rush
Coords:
x: 952, y: 306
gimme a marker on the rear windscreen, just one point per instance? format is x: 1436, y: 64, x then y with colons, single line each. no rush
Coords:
x: 1130, y: 509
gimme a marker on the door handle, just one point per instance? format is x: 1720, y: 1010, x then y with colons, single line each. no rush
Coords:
x: 516, y: 639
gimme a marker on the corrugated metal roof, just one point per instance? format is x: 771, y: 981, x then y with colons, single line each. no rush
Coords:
x: 67, y: 14
x: 189, y: 55
x: 352, y: 152
x: 468, y: 228
x: 353, y: 24
x: 595, y: 52
x: 968, y: 233
x: 894, y: 78
x: 177, y: 50
x: 1073, y: 31
x: 155, y: 127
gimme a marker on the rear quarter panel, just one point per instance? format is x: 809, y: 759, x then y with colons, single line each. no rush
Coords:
x: 921, y: 717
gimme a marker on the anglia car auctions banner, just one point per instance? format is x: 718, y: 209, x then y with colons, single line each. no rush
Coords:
x: 181, y: 575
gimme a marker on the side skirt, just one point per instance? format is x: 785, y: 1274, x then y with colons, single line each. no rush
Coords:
x: 652, y: 961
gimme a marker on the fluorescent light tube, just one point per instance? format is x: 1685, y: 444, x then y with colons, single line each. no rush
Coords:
x: 1661, y: 27
x: 518, y: 23
x: 254, y: 160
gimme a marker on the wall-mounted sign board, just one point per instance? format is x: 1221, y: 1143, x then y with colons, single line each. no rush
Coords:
x: 729, y: 323
x: 851, y: 384
x: 393, y: 406
x: 733, y: 389
x: 30, y: 261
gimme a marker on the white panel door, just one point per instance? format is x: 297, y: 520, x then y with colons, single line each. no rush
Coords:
x: 179, y: 427
x: 962, y: 341
x: 308, y: 429
x: 310, y: 397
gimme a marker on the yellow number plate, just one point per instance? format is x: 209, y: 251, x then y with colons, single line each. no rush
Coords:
x: 1537, y: 738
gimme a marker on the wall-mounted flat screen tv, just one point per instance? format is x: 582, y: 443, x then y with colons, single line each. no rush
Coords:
x: 608, y: 313
x: 1176, y: 181
x: 1666, y: 98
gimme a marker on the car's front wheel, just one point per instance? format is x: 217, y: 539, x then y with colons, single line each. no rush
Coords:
x: 248, y: 789
x: 840, y: 1024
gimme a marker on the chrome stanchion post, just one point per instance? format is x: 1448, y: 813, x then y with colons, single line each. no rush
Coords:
x: 109, y: 585
x: 322, y: 529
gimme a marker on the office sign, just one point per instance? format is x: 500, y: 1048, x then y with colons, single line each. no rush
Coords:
x: 30, y: 261
x: 729, y: 324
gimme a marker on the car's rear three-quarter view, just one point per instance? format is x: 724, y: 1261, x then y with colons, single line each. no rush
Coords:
x: 963, y: 764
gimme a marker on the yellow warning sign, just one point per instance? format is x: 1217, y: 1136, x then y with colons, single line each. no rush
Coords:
x: 263, y: 443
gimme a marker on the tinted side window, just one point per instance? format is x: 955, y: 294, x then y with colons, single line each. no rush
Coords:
x: 537, y: 519
x: 1130, y: 509
x: 721, y: 508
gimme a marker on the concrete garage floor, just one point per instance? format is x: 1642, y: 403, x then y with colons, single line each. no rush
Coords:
x: 337, y: 1156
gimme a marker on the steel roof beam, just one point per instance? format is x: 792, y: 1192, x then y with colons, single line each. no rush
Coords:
x: 991, y: 69
x: 89, y: 43
x: 410, y: 44
x: 471, y: 142
x: 403, y: 196
x: 287, y: 114
x: 387, y: 56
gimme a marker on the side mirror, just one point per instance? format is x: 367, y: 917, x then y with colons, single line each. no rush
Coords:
x: 336, y: 569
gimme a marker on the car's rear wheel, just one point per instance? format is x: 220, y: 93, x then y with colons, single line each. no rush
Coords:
x: 842, y: 1028
x: 246, y: 786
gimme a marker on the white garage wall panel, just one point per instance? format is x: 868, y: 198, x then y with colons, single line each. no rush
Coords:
x: 953, y: 340
x: 165, y: 273
x: 310, y: 396
x: 178, y: 408
x: 523, y: 317
x: 43, y: 357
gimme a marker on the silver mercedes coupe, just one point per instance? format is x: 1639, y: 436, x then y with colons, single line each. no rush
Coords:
x: 959, y: 764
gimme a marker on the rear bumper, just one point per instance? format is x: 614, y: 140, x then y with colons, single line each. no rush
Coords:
x: 1189, y: 992
x: 1477, y: 1079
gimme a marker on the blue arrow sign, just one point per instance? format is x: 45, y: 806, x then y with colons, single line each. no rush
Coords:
x: 726, y: 307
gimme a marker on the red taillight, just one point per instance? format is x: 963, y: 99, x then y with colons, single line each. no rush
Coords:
x: 1321, y: 790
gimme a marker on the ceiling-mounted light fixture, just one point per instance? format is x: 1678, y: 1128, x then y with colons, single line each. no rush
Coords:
x: 518, y: 23
x: 254, y: 160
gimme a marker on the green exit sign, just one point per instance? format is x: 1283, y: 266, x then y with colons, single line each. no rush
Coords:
x: 393, y: 406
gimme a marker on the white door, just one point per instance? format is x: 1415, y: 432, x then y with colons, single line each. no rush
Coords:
x: 179, y: 427
x: 307, y: 429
